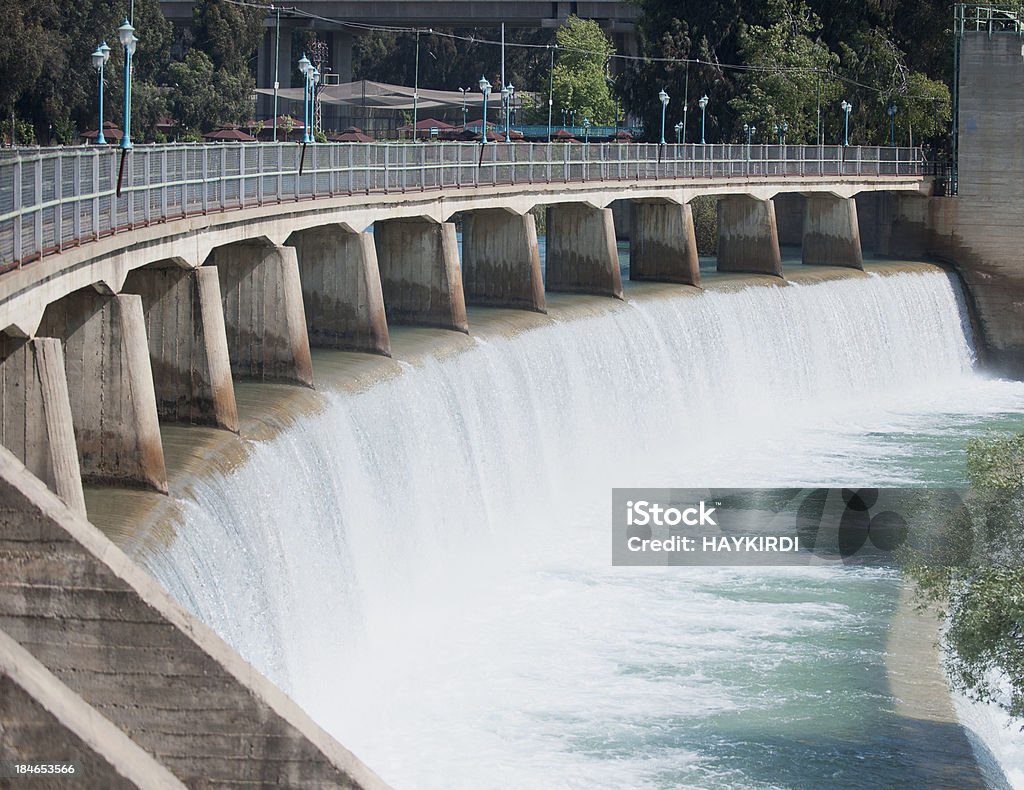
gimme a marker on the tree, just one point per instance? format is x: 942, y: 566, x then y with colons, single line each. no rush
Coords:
x: 578, y: 79
x: 790, y: 73
x: 45, y: 71
x: 974, y: 569
x: 214, y: 83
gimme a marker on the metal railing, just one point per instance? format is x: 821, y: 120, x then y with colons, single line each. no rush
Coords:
x: 51, y: 199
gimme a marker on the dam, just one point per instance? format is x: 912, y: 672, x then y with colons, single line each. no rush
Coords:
x: 350, y: 423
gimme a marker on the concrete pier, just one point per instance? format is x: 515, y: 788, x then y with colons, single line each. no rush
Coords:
x: 419, y: 270
x: 581, y: 253
x: 106, y: 630
x: 663, y: 244
x: 263, y: 314
x: 501, y: 260
x: 748, y: 237
x: 341, y: 289
x: 188, y: 346
x: 35, y: 414
x: 106, y: 358
x: 831, y: 232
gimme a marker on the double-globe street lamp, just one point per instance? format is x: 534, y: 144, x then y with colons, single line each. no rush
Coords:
x: 846, y: 107
x: 99, y: 60
x: 703, y: 104
x: 751, y: 130
x: 586, y: 131
x: 891, y: 110
x: 663, y: 97
x: 679, y: 132
x: 485, y: 89
x: 507, y: 92
x: 126, y: 35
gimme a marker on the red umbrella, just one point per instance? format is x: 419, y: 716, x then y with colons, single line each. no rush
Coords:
x: 426, y: 125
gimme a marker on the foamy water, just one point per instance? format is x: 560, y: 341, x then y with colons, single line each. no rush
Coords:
x: 425, y: 566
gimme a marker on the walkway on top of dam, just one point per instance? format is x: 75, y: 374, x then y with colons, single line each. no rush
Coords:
x: 63, y: 209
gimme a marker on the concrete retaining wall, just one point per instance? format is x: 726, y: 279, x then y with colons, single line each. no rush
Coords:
x: 43, y: 721
x: 112, y: 635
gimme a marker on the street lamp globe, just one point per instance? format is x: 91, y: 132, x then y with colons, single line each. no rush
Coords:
x: 125, y: 33
x: 703, y: 101
x: 663, y: 97
x: 304, y: 64
x: 97, y: 59
x: 133, y: 42
x: 485, y: 86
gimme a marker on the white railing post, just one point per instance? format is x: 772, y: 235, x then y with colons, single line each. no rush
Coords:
x: 58, y: 209
x: 16, y: 207
x: 37, y: 211
x: 77, y: 186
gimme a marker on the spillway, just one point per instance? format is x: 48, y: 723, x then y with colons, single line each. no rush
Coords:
x: 424, y: 564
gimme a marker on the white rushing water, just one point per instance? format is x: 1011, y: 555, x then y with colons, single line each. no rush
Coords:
x: 425, y: 566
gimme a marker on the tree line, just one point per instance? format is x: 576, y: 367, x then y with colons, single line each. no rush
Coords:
x: 762, y: 63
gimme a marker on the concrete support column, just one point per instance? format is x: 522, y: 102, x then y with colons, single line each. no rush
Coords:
x: 501, y: 260
x: 662, y: 244
x: 106, y: 357
x: 266, y: 325
x: 341, y: 55
x: 419, y: 269
x: 188, y: 345
x: 581, y: 252
x: 35, y: 415
x: 341, y: 290
x: 831, y: 232
x: 748, y: 237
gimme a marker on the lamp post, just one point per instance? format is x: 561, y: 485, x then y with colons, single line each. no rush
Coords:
x: 463, y: 91
x: 679, y: 132
x: 846, y: 107
x: 703, y: 110
x: 751, y: 130
x: 586, y: 131
x: 485, y: 89
x: 99, y: 60
x: 305, y: 66
x: 663, y: 97
x: 126, y: 35
x: 506, y: 93
x: 892, y: 123
x: 564, y: 111
x: 785, y: 128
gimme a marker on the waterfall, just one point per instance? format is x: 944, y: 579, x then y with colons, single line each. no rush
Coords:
x: 424, y: 565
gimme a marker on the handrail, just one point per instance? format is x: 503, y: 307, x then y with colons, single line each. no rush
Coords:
x: 51, y: 199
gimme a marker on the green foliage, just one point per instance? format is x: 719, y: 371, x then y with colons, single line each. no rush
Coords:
x: 45, y: 70
x: 790, y: 76
x: 24, y: 132
x: 578, y: 79
x: 705, y: 223
x: 213, y: 85
x: 898, y: 50
x: 973, y: 565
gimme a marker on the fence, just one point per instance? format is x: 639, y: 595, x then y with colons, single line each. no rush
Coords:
x: 51, y: 199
